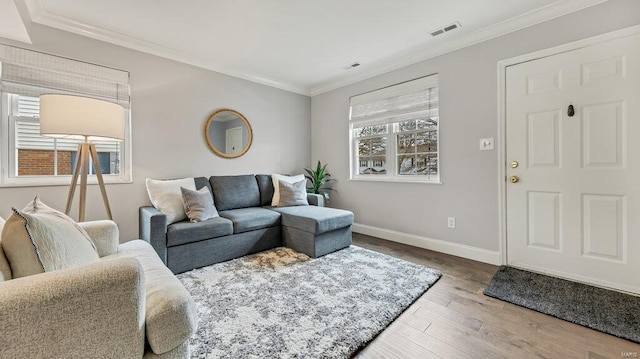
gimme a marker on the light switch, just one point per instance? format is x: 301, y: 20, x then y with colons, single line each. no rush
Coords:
x: 486, y: 144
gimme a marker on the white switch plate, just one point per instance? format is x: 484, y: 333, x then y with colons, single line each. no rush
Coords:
x: 486, y: 144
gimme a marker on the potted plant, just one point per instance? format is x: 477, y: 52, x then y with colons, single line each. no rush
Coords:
x: 320, y: 180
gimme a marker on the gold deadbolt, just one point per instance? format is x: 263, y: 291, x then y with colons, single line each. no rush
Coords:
x: 514, y: 164
x: 514, y: 179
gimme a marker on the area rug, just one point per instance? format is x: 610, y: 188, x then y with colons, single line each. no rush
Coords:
x: 282, y: 304
x: 604, y: 310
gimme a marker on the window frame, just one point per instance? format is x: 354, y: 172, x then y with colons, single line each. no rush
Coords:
x: 392, y: 153
x: 9, y: 155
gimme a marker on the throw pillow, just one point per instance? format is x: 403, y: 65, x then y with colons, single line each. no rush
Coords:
x: 276, y: 186
x: 199, y: 204
x: 166, y: 196
x: 40, y: 239
x: 293, y: 194
x: 5, y: 269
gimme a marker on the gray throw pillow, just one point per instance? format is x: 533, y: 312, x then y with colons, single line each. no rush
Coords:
x: 198, y: 205
x: 293, y: 194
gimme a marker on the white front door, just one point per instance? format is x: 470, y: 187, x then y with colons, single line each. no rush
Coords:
x: 234, y: 141
x: 575, y: 211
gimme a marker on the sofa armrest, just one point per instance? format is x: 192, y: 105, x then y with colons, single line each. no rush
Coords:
x: 153, y: 229
x: 171, y: 317
x: 105, y: 235
x: 95, y: 309
x: 315, y: 199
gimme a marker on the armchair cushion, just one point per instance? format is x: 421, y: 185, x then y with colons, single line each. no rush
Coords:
x: 40, y: 239
x: 170, y: 314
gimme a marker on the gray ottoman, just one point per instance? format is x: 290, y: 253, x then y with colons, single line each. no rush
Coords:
x: 315, y: 231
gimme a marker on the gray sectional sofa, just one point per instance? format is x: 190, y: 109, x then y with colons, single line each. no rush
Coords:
x: 247, y: 224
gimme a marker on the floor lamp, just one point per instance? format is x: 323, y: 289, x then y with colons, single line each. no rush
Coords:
x: 88, y: 119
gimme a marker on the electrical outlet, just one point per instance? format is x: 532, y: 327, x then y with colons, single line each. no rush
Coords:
x: 451, y: 222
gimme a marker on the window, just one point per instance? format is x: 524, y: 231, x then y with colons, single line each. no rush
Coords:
x: 394, y: 133
x: 30, y: 159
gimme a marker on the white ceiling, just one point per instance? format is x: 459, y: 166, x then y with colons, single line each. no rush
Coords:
x: 300, y: 46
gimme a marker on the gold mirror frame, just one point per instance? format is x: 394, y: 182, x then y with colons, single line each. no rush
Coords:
x: 213, y: 147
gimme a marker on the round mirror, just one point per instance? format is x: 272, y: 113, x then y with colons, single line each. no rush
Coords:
x: 228, y: 133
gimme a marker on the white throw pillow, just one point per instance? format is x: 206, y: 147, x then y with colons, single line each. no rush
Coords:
x: 5, y: 269
x: 166, y: 196
x: 275, y: 178
x: 40, y: 239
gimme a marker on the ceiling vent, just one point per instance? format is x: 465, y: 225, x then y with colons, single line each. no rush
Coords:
x: 447, y: 28
x: 351, y: 65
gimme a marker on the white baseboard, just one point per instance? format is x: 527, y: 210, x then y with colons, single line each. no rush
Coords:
x: 455, y: 249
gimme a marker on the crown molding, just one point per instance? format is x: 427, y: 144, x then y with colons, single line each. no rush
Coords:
x: 552, y: 11
x: 12, y: 26
x: 40, y: 15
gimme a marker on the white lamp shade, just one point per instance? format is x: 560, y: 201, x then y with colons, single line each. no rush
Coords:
x: 79, y: 117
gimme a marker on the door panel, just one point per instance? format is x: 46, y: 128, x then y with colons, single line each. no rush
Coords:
x: 575, y: 212
x: 544, y: 220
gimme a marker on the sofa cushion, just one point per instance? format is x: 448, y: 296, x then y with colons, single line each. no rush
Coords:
x: 187, y: 232
x: 315, y: 219
x: 166, y: 196
x: 231, y: 192
x: 170, y: 313
x: 40, y: 239
x: 248, y: 219
x: 265, y: 184
x: 202, y: 182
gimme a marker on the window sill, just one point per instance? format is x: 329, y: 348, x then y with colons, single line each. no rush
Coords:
x: 59, y: 181
x: 395, y: 179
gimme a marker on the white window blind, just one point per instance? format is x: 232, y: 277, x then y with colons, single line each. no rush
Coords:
x: 396, y: 103
x: 26, y: 157
x: 394, y: 132
x: 32, y: 73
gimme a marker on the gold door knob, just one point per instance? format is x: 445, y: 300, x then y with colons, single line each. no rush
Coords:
x: 514, y: 179
x: 514, y: 164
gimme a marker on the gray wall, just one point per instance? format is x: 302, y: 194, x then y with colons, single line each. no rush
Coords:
x: 170, y: 105
x: 468, y: 112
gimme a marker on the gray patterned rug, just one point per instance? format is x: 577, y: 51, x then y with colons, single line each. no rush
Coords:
x: 604, y: 310
x: 282, y: 304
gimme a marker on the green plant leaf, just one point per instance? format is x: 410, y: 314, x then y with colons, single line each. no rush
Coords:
x: 319, y: 179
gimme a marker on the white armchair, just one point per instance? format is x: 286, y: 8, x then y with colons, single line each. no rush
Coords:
x: 127, y: 305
